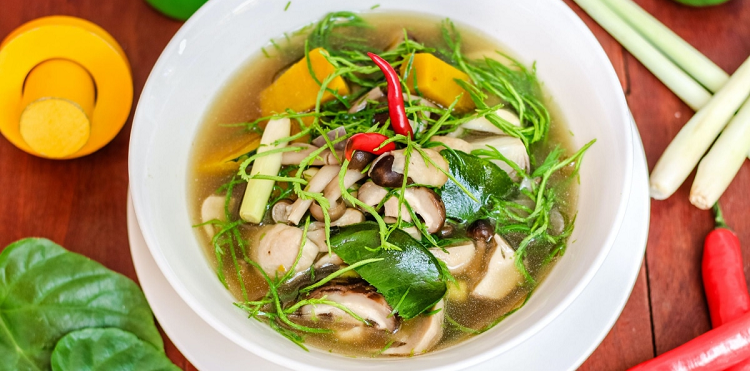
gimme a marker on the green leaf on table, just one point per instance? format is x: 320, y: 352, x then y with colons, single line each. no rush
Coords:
x: 107, y: 349
x: 47, y: 292
x: 480, y: 177
x: 410, y: 279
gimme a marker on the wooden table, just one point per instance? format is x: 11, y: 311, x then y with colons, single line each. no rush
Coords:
x: 81, y: 203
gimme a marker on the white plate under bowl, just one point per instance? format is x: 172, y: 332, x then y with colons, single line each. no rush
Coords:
x: 583, y: 325
x: 223, y: 35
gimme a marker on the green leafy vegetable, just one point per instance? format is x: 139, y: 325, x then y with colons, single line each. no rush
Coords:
x: 46, y: 292
x: 481, y: 177
x: 107, y: 349
x: 411, y: 278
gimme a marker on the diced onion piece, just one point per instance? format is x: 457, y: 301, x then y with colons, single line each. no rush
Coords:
x: 258, y: 191
x: 687, y: 148
x: 677, y: 80
x: 678, y: 50
x: 721, y: 164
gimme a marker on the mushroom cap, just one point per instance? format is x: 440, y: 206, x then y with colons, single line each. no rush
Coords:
x: 382, y: 174
x: 335, y: 212
x: 360, y: 298
x: 428, y: 205
x: 280, y: 210
x: 279, y: 247
x: 481, y: 230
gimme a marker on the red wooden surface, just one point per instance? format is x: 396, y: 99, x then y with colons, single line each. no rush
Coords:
x: 81, y: 203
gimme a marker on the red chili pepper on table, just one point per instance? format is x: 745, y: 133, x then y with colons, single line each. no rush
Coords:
x: 717, y: 349
x: 724, y: 277
x: 396, y: 107
x: 367, y: 142
x: 724, y: 274
x: 727, y: 346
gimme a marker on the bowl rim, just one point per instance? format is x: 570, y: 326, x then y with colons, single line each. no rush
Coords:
x: 140, y: 208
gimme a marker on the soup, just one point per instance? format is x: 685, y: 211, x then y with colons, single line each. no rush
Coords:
x: 383, y: 205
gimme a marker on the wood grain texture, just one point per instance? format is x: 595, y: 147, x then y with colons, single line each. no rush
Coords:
x: 81, y: 203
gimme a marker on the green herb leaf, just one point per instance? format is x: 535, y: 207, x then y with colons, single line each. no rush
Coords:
x: 410, y: 278
x: 47, y: 292
x: 107, y: 349
x: 480, y: 177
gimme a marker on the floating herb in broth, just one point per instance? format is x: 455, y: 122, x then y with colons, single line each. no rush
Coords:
x: 481, y: 206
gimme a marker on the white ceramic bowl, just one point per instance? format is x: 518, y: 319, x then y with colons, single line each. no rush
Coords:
x: 224, y: 34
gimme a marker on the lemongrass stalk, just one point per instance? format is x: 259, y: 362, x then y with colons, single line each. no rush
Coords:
x: 674, y: 47
x: 687, y: 148
x: 721, y: 164
x: 258, y: 191
x: 677, y: 80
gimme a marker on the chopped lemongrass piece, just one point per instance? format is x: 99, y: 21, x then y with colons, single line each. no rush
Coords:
x: 687, y: 148
x: 678, y: 50
x: 258, y: 191
x: 677, y: 80
x: 721, y: 164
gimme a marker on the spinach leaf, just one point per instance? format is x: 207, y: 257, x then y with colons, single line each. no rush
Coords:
x: 410, y: 279
x: 46, y: 292
x: 107, y: 349
x: 480, y: 177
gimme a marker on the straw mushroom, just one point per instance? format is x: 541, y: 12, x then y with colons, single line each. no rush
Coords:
x: 279, y: 247
x: 502, y: 276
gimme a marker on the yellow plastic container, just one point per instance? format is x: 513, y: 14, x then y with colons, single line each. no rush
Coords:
x: 65, y: 87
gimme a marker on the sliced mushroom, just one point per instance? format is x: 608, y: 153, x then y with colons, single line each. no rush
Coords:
x: 328, y: 259
x: 421, y: 172
x: 454, y: 143
x: 456, y: 258
x: 213, y: 209
x: 482, y: 124
x: 360, y: 298
x: 502, y: 276
x: 280, y: 210
x: 326, y: 157
x: 423, y: 336
x: 279, y: 247
x: 428, y: 205
x: 350, y: 217
x: 371, y: 194
x: 332, y: 135
x: 373, y: 95
x: 317, y: 184
x: 414, y: 232
x: 511, y: 147
x: 318, y: 237
x: 556, y: 222
x: 391, y: 211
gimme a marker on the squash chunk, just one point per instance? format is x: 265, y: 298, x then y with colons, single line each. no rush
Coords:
x: 435, y: 81
x: 296, y: 89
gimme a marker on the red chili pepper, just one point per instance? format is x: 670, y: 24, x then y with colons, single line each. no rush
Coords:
x: 723, y: 274
x: 714, y: 350
x: 396, y: 108
x: 727, y: 346
x: 367, y: 142
x: 724, y: 277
